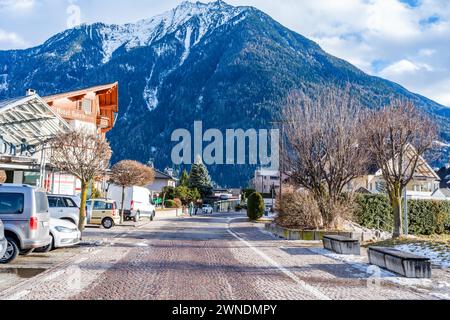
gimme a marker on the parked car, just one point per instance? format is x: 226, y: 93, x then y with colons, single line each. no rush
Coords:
x: 137, y: 203
x: 102, y: 212
x: 64, y: 207
x: 207, y: 209
x: 3, y: 242
x: 26, y: 219
x: 64, y: 234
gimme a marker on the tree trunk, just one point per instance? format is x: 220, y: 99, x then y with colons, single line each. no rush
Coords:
x: 122, y: 209
x: 396, y: 203
x: 84, y: 193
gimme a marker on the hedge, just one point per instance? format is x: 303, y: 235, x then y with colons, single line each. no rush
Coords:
x: 426, y: 217
x: 255, y: 206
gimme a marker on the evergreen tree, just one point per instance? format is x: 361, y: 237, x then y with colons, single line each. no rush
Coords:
x: 184, y: 180
x: 199, y: 178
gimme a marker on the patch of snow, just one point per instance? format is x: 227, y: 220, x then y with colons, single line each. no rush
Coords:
x: 4, y: 82
x: 187, y: 44
x: 439, y: 255
x: 151, y: 93
x: 145, y: 32
x: 374, y: 273
x: 151, y: 98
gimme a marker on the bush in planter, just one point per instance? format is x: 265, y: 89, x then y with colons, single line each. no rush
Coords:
x: 298, y: 210
x: 255, y: 206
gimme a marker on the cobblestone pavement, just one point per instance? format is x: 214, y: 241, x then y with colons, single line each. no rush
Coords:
x: 215, y: 257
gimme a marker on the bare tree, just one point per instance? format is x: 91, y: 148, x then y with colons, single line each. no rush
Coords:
x: 83, y: 155
x: 2, y: 176
x: 129, y: 173
x: 324, y: 152
x: 397, y: 137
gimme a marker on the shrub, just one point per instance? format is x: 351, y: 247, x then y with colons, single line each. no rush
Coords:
x: 426, y: 217
x: 374, y: 212
x: 173, y: 204
x: 170, y: 204
x: 298, y: 210
x: 255, y: 206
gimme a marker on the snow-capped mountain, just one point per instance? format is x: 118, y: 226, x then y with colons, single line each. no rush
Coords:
x: 230, y: 67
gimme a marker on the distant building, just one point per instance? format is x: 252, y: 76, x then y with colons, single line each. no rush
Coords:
x: 265, y: 180
x: 424, y: 184
x: 162, y: 180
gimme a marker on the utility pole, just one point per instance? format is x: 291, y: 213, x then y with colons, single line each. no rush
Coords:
x: 405, y: 215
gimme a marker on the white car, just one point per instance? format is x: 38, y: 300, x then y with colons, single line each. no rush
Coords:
x: 137, y: 202
x: 64, y: 234
x: 207, y: 209
x: 3, y: 242
x: 64, y: 207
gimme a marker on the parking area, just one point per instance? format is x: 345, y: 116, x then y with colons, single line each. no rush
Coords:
x: 27, y: 267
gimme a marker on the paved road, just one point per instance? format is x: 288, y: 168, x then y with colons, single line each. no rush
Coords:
x: 212, y: 257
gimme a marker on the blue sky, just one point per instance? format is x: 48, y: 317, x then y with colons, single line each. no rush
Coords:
x: 406, y: 41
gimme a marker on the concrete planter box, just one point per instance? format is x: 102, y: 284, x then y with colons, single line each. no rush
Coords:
x: 308, y: 235
x: 341, y: 245
x: 402, y: 263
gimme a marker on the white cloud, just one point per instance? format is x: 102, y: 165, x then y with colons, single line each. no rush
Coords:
x: 10, y: 39
x: 16, y: 5
x: 403, y: 67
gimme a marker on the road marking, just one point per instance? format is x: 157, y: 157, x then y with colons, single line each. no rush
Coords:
x: 288, y: 273
x: 19, y: 295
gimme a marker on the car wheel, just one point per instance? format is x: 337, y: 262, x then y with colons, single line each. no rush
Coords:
x: 26, y: 252
x: 47, y: 248
x: 12, y: 251
x: 107, y: 223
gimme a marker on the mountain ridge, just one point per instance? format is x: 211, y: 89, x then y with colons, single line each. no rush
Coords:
x: 230, y: 67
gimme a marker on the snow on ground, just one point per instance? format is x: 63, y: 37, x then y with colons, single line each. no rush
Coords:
x: 439, y: 254
x: 437, y: 288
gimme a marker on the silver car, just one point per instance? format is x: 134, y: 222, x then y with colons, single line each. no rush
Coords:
x: 26, y: 219
x: 3, y: 242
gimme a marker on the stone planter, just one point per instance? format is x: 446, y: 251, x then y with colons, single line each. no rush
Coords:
x: 309, y: 235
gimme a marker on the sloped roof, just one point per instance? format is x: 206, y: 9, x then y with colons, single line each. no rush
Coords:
x: 80, y: 92
x: 29, y: 118
x: 162, y: 175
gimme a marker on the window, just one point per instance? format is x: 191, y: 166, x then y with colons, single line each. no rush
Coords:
x: 41, y: 202
x: 70, y: 203
x: 30, y: 178
x: 87, y: 106
x: 109, y: 206
x: 11, y: 203
x: 99, y: 205
x: 55, y: 202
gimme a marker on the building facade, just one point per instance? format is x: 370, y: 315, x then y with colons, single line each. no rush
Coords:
x: 28, y: 123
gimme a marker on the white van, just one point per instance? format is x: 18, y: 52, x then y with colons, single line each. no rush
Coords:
x: 137, y: 203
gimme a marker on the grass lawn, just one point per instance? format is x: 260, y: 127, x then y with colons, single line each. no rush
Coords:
x: 435, y: 247
x: 433, y: 240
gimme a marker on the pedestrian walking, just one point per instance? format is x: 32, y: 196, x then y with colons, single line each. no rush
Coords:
x: 191, y: 208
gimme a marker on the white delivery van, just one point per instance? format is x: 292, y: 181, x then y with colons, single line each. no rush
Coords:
x: 137, y: 202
